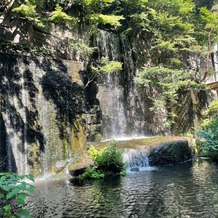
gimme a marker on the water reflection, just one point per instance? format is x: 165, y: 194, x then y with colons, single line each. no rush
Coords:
x: 188, y: 190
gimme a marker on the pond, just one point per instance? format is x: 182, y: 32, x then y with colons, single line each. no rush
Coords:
x: 186, y: 190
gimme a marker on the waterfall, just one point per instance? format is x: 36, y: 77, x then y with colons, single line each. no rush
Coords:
x: 14, y: 116
x: 39, y: 107
x: 110, y: 91
x: 121, y: 110
x: 136, y: 158
x: 215, y: 60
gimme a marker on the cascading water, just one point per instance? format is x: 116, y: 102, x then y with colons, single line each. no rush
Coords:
x: 39, y: 103
x: 121, y: 110
x: 14, y: 117
x: 215, y: 61
x: 110, y: 91
x: 136, y: 158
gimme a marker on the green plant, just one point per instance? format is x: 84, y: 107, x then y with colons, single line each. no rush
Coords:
x: 107, y: 161
x: 113, y: 20
x: 13, y: 192
x: 107, y: 156
x: 60, y: 17
x: 209, y: 134
x: 107, y: 66
x: 80, y: 48
x: 212, y: 109
x: 92, y: 173
x: 28, y: 10
x: 123, y: 172
x: 164, y: 84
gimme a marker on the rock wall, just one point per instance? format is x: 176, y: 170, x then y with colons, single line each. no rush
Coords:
x: 189, y: 111
x: 170, y: 153
x: 42, y: 102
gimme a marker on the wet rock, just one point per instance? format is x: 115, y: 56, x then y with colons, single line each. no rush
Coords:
x: 60, y: 165
x: 170, y: 153
x: 77, y: 172
x: 79, y: 164
x: 134, y: 169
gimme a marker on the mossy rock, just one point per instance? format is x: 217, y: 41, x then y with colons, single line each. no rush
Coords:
x: 170, y: 153
x: 150, y: 142
x: 79, y: 164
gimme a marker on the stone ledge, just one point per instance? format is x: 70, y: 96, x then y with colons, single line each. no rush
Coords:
x: 170, y: 153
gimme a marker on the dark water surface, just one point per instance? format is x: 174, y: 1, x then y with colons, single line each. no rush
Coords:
x: 187, y: 190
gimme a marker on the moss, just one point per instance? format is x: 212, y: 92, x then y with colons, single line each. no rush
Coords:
x: 78, y: 138
x: 34, y: 159
x: 65, y: 140
x: 74, y: 71
x: 145, y: 142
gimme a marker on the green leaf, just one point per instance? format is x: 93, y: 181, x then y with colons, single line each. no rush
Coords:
x: 31, y: 189
x: 113, y: 20
x: 7, y: 208
x: 12, y: 193
x: 31, y: 177
x: 23, y: 213
x: 19, y: 201
x: 7, y: 188
x: 23, y: 196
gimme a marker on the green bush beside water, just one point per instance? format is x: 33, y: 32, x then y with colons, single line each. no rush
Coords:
x: 208, y: 135
x: 107, y: 161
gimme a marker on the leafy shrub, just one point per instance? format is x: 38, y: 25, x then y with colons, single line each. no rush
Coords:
x: 13, y: 193
x: 107, y: 161
x: 28, y: 10
x: 113, y: 20
x: 92, y: 173
x: 60, y: 17
x: 212, y: 109
x: 107, y: 156
x: 107, y: 66
x: 209, y: 134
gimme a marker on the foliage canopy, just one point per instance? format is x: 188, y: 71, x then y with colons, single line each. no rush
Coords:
x: 168, y: 37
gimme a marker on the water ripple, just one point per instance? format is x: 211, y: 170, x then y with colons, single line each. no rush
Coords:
x: 175, y: 191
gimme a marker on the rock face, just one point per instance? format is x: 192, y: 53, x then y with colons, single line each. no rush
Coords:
x: 170, y: 153
x: 41, y: 113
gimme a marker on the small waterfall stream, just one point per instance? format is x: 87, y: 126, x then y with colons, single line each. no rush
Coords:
x: 121, y: 109
x: 110, y: 92
x: 136, y: 159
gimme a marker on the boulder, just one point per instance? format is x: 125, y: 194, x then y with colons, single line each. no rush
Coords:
x: 60, y: 165
x: 134, y: 169
x: 79, y: 164
x: 170, y: 153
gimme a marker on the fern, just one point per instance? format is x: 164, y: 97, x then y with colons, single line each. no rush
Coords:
x: 28, y: 10
x: 60, y: 17
x: 113, y: 20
